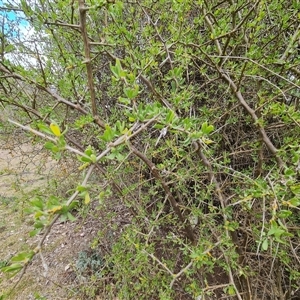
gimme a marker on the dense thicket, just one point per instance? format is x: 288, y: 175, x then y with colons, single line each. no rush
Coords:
x: 187, y: 113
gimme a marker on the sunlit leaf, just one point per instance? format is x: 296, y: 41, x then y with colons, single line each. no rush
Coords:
x: 55, y: 129
x: 87, y: 198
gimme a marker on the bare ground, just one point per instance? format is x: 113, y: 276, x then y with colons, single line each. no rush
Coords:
x: 25, y: 170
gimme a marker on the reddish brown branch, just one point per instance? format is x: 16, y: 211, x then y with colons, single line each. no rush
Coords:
x: 255, y: 118
x: 187, y: 227
x: 82, y: 15
x: 56, y: 96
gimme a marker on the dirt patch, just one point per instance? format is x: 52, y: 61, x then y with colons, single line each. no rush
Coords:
x: 26, y: 169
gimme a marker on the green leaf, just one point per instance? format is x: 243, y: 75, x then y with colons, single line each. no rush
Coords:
x: 289, y: 172
x: 23, y: 256
x: 284, y: 213
x: 84, y: 159
x: 34, y: 232
x: 71, y: 217
x: 131, y: 92
x: 81, y: 188
x: 207, y: 129
x: 89, y: 150
x: 49, y: 145
x: 93, y: 158
x: 111, y: 156
x: 294, y: 201
x: 120, y: 126
x: 87, y: 198
x: 39, y: 225
x: 55, y: 149
x: 108, y: 134
x: 231, y: 290
x: 37, y: 202
x: 170, y: 117
x: 119, y: 156
x: 265, y: 245
x: 295, y: 189
x: 125, y: 101
x: 44, y: 128
x: 117, y: 70
x: 9, y: 48
x: 12, y: 268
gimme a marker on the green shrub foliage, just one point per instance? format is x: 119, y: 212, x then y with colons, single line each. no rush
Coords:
x: 188, y: 111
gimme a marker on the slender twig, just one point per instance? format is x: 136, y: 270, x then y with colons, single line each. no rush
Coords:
x: 51, y: 92
x: 189, y: 265
x: 255, y: 118
x: 40, y: 134
x: 291, y: 44
x: 187, y: 226
x: 82, y: 14
x: 74, y: 26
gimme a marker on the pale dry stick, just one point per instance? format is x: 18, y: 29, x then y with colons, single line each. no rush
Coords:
x: 227, y: 34
x: 101, y: 44
x: 28, y: 109
x: 166, y: 47
x: 296, y: 122
x: 212, y: 178
x: 272, y: 267
x: 156, y: 218
x: 159, y: 262
x: 236, y: 27
x: 45, y: 266
x: 40, y: 134
x: 11, y: 8
x: 70, y: 200
x: 268, y: 81
x: 263, y: 225
x: 256, y: 63
x: 51, y: 110
x: 127, y: 137
x: 295, y: 70
x: 275, y: 202
x: 291, y: 43
x: 294, y: 251
x: 210, y: 26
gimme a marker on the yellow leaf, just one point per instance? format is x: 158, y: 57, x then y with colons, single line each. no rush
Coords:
x: 54, y: 209
x: 55, y: 129
x: 87, y: 198
x: 70, y: 67
x: 207, y: 141
x: 84, y: 166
